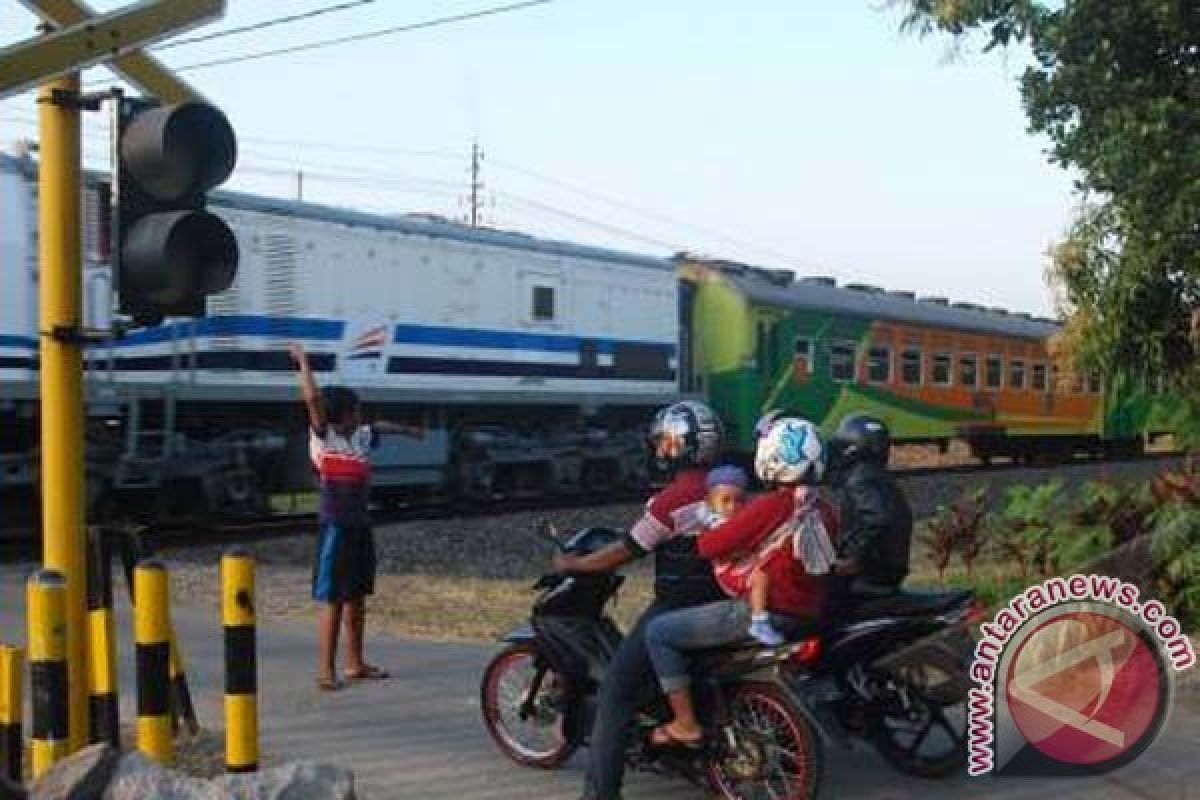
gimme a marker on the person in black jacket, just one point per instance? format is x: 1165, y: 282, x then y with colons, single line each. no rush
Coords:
x: 876, y: 521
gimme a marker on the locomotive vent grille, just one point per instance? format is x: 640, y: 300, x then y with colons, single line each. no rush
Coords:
x: 229, y: 303
x: 280, y: 288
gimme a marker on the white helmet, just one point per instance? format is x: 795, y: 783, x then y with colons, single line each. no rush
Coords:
x: 789, y: 451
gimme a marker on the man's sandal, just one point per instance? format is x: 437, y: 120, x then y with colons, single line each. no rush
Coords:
x: 663, y: 737
x: 330, y: 684
x: 369, y: 673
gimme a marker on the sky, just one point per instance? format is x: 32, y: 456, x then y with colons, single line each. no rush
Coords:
x: 804, y: 134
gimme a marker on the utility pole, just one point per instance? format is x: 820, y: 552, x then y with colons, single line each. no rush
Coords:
x: 476, y: 184
x: 60, y: 310
x: 300, y: 185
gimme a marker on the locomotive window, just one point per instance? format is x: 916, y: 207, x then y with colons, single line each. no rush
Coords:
x: 968, y: 371
x: 1039, y: 378
x: 841, y: 361
x: 910, y: 367
x: 995, y: 372
x: 879, y: 365
x: 943, y: 367
x: 1016, y: 374
x: 543, y: 303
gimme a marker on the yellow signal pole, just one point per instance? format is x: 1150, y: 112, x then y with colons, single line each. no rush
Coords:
x: 60, y: 288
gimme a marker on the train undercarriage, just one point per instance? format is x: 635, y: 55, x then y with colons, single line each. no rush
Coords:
x: 152, y: 458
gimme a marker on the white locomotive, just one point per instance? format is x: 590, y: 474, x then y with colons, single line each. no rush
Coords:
x: 533, y: 362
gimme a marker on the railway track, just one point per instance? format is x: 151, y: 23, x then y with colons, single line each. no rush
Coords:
x: 1008, y: 466
x: 17, y: 543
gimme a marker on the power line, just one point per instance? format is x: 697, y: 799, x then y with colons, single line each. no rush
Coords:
x: 579, y: 218
x: 359, y: 37
x: 708, y: 230
x: 269, y: 23
x: 370, y: 177
x: 352, y: 148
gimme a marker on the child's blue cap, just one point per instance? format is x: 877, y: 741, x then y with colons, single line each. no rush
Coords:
x: 726, y: 476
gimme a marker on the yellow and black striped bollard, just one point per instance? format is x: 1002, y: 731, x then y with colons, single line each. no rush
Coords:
x: 152, y: 643
x: 241, y: 669
x: 105, y: 723
x: 47, y: 599
x: 11, y: 740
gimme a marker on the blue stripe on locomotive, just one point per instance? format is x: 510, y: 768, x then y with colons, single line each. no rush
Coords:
x: 330, y: 330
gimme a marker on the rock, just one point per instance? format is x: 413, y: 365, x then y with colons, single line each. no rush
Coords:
x: 300, y: 780
x: 11, y: 791
x: 138, y: 778
x: 1132, y: 562
x: 80, y: 776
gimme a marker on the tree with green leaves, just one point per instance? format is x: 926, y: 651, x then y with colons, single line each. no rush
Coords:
x: 1115, y: 86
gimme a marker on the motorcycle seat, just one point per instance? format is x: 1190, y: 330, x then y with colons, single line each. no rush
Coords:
x: 907, y: 603
x: 794, y: 629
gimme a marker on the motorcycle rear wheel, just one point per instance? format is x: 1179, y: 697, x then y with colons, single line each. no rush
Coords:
x: 936, y: 685
x: 540, y: 739
x: 777, y: 755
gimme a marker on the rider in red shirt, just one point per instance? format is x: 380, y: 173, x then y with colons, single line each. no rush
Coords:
x: 785, y: 534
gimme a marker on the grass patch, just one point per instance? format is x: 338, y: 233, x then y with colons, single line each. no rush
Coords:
x: 431, y: 607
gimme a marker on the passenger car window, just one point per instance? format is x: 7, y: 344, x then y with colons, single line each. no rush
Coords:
x: 879, y: 364
x: 910, y: 367
x: 968, y: 371
x: 1039, y: 377
x: 1016, y: 374
x: 841, y: 361
x: 995, y: 372
x: 943, y: 368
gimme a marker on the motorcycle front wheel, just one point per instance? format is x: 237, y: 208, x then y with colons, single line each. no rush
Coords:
x: 767, y: 748
x: 524, y: 708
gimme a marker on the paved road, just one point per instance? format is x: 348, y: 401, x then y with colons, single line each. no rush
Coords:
x: 419, y: 735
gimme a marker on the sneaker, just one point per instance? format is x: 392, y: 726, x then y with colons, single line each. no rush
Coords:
x: 764, y: 632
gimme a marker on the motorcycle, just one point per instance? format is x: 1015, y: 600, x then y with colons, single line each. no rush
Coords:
x: 538, y: 695
x: 894, y: 672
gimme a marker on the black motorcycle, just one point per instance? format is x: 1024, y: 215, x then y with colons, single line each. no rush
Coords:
x: 539, y: 695
x: 893, y: 671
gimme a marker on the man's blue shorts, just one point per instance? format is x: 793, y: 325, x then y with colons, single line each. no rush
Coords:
x: 345, y: 563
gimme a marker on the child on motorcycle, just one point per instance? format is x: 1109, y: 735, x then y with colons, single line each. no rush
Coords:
x: 765, y: 536
x: 726, y: 495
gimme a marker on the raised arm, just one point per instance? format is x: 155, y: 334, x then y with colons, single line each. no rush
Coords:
x: 308, y: 389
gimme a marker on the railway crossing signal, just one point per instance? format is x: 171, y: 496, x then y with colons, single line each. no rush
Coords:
x: 170, y: 252
x: 78, y: 37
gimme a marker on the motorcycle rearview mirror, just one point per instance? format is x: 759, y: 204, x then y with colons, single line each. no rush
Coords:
x: 546, y: 530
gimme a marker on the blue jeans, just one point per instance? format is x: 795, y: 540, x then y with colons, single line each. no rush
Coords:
x: 670, y: 634
x: 628, y: 684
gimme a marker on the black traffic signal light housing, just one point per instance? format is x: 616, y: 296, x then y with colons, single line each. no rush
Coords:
x: 170, y: 252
